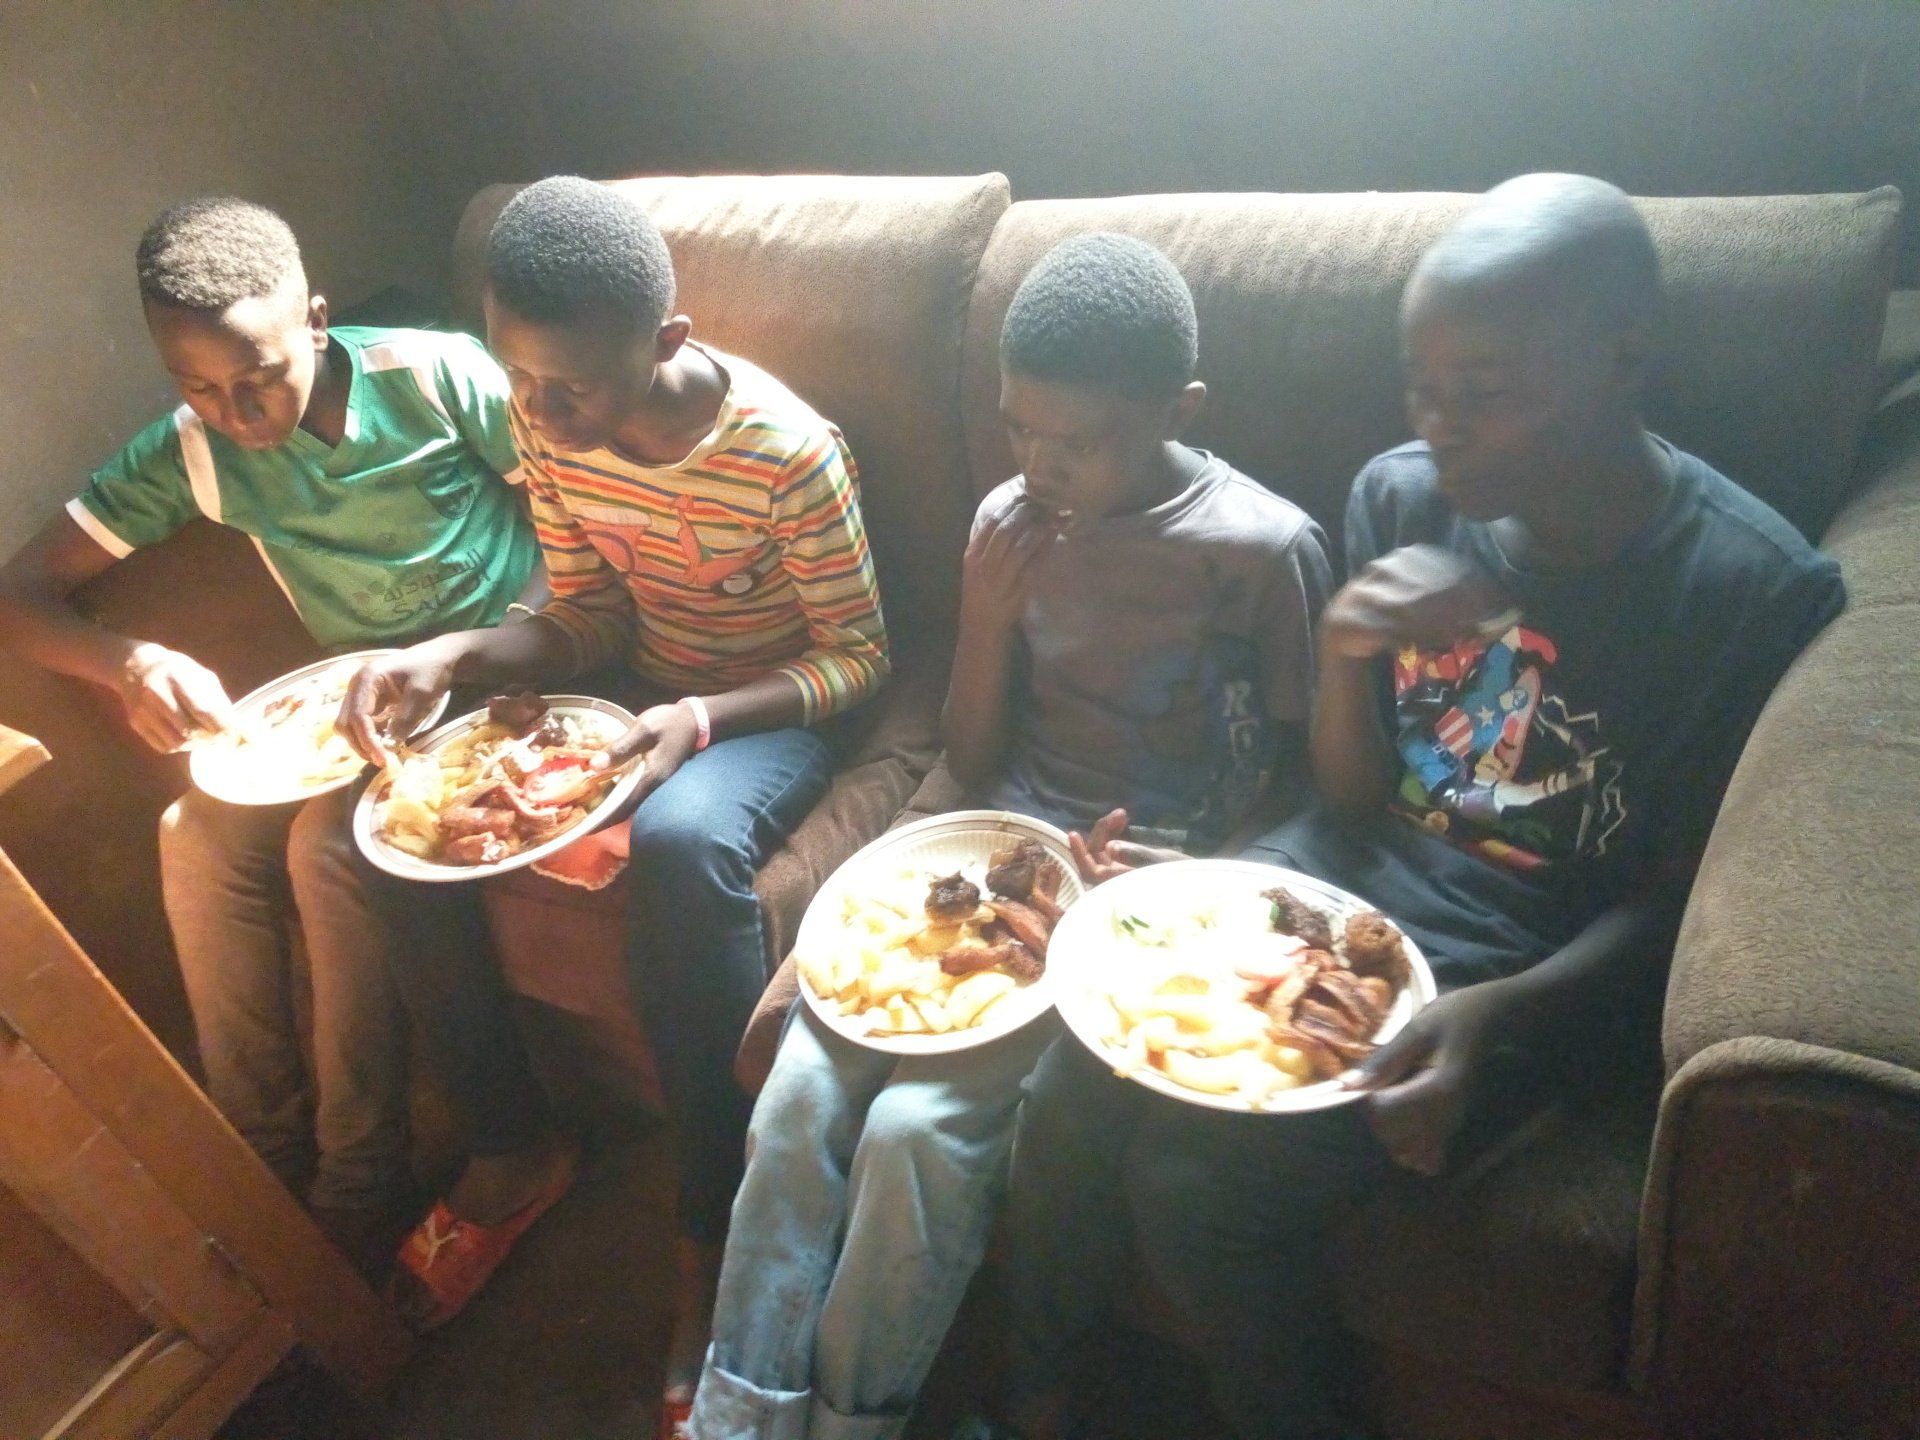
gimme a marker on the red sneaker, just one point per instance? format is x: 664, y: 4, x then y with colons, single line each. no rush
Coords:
x: 446, y: 1260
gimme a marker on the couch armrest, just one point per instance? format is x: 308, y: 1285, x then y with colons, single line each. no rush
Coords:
x: 1775, y: 1263
x: 1803, y: 923
x: 1777, y: 1253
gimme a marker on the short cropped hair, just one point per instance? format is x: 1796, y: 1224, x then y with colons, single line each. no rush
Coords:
x: 567, y: 250
x: 1570, y: 244
x: 1106, y: 311
x: 213, y: 252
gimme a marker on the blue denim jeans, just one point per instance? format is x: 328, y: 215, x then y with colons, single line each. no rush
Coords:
x: 695, y: 956
x: 871, y: 1183
x: 1230, y: 1215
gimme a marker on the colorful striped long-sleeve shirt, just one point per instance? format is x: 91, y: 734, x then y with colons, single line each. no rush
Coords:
x: 748, y: 557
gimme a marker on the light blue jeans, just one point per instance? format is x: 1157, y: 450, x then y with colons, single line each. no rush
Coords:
x: 871, y: 1183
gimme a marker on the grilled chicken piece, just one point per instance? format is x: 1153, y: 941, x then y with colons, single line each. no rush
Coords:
x: 1025, y: 924
x: 1334, y: 1037
x: 1024, y: 965
x: 1048, y: 907
x: 1364, y: 999
x: 1287, y: 991
x: 1012, y: 868
x: 951, y: 899
x: 458, y: 821
x: 1294, y: 916
x: 968, y: 959
x: 479, y: 849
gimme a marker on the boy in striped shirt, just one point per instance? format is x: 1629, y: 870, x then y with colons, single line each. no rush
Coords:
x: 702, y: 527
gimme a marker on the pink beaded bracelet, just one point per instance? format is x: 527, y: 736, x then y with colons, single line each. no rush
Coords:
x: 703, y: 722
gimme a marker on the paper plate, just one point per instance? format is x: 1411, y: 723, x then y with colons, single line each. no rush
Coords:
x: 215, y: 764
x: 1086, y: 955
x: 412, y: 867
x: 940, y: 845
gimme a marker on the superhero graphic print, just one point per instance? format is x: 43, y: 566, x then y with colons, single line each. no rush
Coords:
x: 1498, y: 760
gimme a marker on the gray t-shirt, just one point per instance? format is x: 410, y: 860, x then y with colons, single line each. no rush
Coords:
x: 1159, y: 651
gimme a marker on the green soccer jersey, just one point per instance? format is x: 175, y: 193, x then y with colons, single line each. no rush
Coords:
x: 407, y: 527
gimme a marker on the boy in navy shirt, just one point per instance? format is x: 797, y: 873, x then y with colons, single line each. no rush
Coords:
x: 1558, y: 633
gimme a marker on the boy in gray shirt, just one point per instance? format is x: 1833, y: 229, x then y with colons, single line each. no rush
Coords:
x: 1159, y: 659
x: 1136, y: 630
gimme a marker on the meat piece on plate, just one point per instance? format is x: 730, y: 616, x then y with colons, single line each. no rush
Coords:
x: 1364, y: 998
x: 1294, y: 916
x: 1332, y: 1034
x: 1012, y: 870
x: 967, y: 959
x: 458, y: 821
x: 1025, y: 924
x: 951, y: 899
x: 1024, y: 965
x: 1048, y: 907
x: 1374, y: 947
x: 480, y: 849
x: 1291, y: 986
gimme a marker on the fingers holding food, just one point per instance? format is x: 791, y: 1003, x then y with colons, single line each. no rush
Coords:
x: 518, y: 709
x: 170, y: 698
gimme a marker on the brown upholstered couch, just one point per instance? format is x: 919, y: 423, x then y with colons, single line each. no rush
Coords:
x: 1723, y: 1246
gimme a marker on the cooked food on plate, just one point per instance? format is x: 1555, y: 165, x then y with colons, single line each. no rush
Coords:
x: 1252, y: 994
x: 289, y: 742
x: 926, y: 954
x: 520, y: 778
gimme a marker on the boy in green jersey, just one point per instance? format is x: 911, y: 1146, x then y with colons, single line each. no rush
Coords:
x: 371, y: 469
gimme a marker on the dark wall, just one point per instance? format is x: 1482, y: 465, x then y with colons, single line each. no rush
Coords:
x: 351, y: 119
x: 1078, y: 97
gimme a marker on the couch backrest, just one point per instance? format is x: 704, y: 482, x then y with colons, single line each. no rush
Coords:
x: 1773, y: 318
x: 853, y: 290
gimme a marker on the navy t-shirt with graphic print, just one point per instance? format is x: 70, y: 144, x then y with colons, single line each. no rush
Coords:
x: 1549, y: 770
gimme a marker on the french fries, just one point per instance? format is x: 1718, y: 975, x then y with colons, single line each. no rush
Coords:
x: 881, y: 968
x: 1191, y: 995
x: 1200, y: 1032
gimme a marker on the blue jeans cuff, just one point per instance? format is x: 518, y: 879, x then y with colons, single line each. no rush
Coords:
x: 729, y: 1408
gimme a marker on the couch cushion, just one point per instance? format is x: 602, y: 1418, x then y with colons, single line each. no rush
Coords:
x: 1774, y: 314
x: 1520, y: 1270
x: 853, y: 290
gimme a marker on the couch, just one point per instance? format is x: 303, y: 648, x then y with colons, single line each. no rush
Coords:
x: 1712, y: 1240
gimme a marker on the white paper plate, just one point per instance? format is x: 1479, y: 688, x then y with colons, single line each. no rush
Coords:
x: 212, y: 764
x: 940, y: 845
x: 412, y: 867
x: 1086, y: 954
